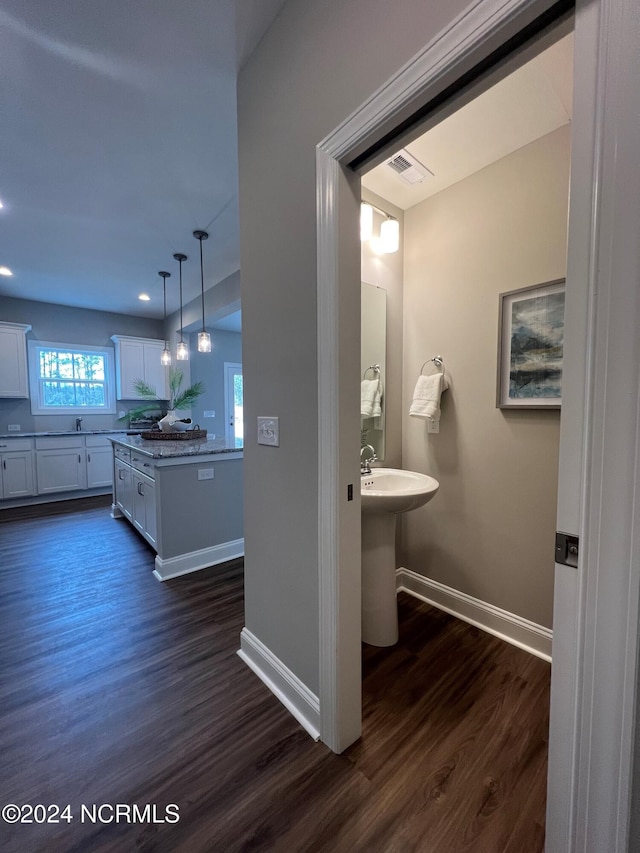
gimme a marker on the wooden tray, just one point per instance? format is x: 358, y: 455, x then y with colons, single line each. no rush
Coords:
x: 158, y: 435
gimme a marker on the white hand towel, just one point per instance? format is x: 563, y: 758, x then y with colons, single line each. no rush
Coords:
x: 426, y: 396
x: 369, y: 390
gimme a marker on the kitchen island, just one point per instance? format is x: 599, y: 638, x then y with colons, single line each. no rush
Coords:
x: 184, y: 497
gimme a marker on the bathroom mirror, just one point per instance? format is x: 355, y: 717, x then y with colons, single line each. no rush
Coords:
x: 373, y: 352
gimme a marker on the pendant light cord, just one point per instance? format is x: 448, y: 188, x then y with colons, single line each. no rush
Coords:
x: 201, y: 282
x: 180, y: 262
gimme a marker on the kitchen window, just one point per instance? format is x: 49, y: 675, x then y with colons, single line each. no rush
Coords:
x: 71, y: 380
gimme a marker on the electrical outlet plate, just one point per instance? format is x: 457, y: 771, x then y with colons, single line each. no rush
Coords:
x: 268, y: 431
x: 205, y: 473
x: 433, y: 426
x: 209, y: 413
x: 14, y: 427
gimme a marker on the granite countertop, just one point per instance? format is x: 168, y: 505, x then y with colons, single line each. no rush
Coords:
x: 71, y: 432
x: 165, y: 448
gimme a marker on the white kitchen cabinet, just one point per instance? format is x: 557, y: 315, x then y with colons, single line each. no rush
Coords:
x: 60, y: 464
x: 14, y: 379
x: 99, y: 461
x: 144, y: 505
x: 123, y: 488
x: 16, y: 469
x: 139, y: 358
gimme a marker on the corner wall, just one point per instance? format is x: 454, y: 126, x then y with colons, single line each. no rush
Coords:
x: 489, y: 532
x: 317, y: 64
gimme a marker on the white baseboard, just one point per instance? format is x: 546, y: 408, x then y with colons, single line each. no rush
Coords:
x: 514, y: 629
x: 173, y: 567
x: 293, y: 693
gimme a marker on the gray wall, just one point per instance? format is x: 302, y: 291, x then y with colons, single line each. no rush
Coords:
x: 490, y: 530
x: 59, y: 323
x: 318, y: 62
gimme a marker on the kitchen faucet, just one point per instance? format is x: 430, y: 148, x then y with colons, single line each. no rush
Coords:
x: 78, y: 424
x: 365, y: 467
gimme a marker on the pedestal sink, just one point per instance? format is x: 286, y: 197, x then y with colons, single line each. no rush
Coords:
x: 385, y: 493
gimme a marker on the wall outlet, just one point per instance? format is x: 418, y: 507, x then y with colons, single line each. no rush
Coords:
x: 209, y: 413
x: 14, y: 427
x: 205, y: 473
x: 433, y: 426
x: 268, y: 431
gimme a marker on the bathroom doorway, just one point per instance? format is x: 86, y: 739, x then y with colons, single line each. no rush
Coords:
x: 593, y: 675
x: 481, y: 201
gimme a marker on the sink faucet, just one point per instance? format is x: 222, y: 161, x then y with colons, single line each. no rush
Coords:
x: 365, y: 467
x: 78, y: 424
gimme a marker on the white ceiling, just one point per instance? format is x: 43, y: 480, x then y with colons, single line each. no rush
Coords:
x: 528, y: 104
x: 117, y: 140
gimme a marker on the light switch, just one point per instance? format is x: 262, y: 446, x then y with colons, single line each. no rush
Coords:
x: 268, y: 431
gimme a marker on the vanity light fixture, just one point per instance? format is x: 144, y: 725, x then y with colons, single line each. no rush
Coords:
x: 182, y: 350
x: 165, y: 358
x: 204, y: 338
x: 389, y: 240
x: 366, y: 221
x: 390, y: 236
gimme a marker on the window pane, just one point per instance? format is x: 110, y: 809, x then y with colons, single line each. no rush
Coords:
x: 58, y: 393
x: 89, y: 394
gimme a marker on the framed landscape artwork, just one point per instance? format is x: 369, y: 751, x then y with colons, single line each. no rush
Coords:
x: 530, y: 347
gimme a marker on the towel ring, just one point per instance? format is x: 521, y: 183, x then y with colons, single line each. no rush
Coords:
x: 374, y: 367
x: 437, y: 360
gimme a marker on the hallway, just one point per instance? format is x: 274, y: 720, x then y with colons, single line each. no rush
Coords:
x: 118, y: 689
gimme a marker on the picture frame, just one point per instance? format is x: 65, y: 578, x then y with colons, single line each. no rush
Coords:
x: 530, y: 346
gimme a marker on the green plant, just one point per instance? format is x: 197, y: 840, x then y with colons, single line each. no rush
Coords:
x: 177, y: 399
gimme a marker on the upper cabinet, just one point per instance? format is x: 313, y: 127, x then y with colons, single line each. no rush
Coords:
x: 14, y: 380
x: 139, y: 358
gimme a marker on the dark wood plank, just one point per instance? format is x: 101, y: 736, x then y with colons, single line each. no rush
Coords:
x: 115, y: 688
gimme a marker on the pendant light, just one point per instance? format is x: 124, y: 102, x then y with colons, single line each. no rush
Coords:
x: 165, y: 358
x: 182, y: 350
x: 204, y: 338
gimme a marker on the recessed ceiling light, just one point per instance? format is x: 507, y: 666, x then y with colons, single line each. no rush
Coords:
x: 5, y: 271
x: 1, y: 204
x: 144, y: 297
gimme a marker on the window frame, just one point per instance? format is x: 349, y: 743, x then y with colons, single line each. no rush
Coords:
x: 35, y: 387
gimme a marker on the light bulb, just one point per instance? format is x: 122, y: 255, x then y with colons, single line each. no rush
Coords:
x: 366, y: 221
x: 204, y: 341
x: 165, y: 358
x: 182, y: 351
x: 389, y: 236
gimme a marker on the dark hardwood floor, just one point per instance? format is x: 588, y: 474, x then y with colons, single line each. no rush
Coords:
x: 118, y: 689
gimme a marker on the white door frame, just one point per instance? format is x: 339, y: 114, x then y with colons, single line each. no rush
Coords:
x: 596, y: 607
x: 230, y: 367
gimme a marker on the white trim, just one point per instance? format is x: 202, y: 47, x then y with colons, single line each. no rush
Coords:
x: 293, y: 693
x: 35, y: 387
x: 193, y: 561
x: 510, y: 627
x: 472, y: 36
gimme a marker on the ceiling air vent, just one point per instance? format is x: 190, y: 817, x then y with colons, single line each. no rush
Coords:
x: 406, y: 166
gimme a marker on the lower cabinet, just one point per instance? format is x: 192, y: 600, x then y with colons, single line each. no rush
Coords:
x: 99, y: 461
x: 144, y: 505
x: 61, y: 470
x: 16, y: 474
x: 123, y: 488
